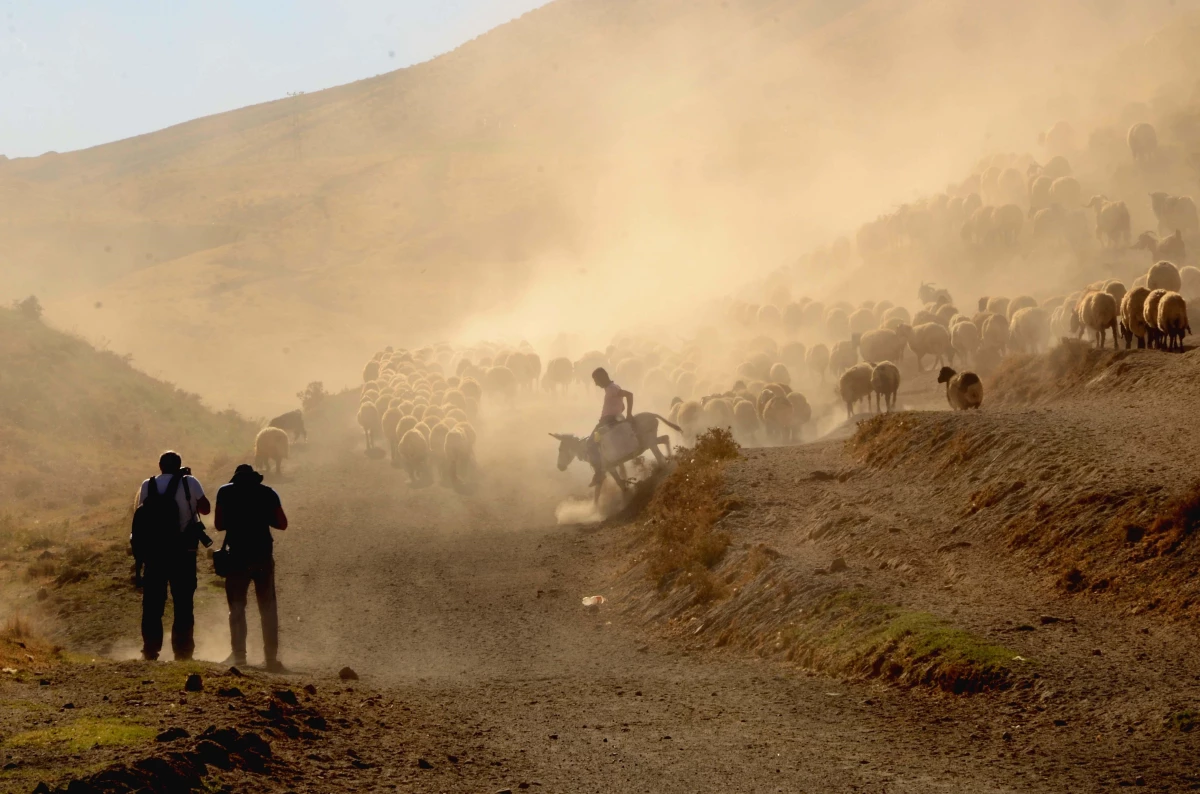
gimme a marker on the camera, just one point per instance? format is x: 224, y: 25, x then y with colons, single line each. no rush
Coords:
x: 197, y: 532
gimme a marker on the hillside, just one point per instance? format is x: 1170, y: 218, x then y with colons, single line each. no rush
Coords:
x: 79, y: 427
x: 580, y: 146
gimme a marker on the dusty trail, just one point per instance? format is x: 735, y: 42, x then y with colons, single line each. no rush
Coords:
x: 467, y: 607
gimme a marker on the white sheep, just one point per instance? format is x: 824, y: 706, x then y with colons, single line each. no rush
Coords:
x: 929, y: 339
x: 1066, y: 192
x: 559, y: 374
x: 855, y: 385
x: 1175, y: 213
x: 817, y: 359
x: 994, y: 331
x: 1171, y: 321
x: 1029, y: 329
x: 1133, y: 318
x: 271, y: 444
x: 1150, y: 312
x: 368, y: 420
x: 414, y: 452
x: 458, y: 453
x: 964, y: 390
x: 1112, y: 221
x: 1143, y: 142
x: 882, y: 344
x: 885, y: 382
x: 843, y: 356
x: 1164, y: 275
x: 1098, y: 312
x: 965, y: 339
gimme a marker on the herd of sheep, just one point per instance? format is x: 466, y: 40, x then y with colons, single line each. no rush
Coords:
x: 424, y: 416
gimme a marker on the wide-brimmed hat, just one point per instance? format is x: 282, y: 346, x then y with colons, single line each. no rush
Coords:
x: 245, y: 473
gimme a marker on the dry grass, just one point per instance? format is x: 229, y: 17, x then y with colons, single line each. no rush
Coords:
x: 1176, y: 524
x: 681, y: 517
x: 17, y: 627
x: 1025, y: 379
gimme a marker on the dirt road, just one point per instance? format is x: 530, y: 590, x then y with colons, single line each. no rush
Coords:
x: 468, y: 605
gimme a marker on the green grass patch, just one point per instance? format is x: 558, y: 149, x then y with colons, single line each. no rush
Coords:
x: 850, y: 633
x: 84, y: 733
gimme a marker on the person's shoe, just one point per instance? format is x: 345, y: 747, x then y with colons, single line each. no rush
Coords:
x: 149, y: 657
x: 234, y: 660
x: 276, y: 666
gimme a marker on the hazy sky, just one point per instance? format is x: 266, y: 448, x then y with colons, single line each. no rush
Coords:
x: 75, y: 73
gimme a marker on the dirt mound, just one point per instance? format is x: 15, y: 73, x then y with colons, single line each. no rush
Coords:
x: 1062, y: 489
x: 1077, y: 368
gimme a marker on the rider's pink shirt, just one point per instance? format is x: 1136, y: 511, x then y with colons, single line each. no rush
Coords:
x: 613, y: 404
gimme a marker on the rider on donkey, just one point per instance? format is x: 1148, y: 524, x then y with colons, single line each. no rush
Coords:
x: 614, y: 400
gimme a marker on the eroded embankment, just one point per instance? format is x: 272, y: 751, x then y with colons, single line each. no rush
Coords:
x: 1094, y: 483
x: 690, y: 573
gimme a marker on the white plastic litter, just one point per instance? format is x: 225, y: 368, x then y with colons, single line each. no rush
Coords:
x: 593, y: 601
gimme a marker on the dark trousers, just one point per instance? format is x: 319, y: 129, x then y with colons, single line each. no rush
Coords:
x: 237, y: 588
x: 178, y: 572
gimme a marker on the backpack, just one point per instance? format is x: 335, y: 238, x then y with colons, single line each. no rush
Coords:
x: 155, y: 531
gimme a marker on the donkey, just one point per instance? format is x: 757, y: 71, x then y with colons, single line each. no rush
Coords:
x: 645, y: 426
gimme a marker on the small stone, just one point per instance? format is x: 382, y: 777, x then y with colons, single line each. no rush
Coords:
x: 42, y: 788
x: 555, y: 735
x: 1096, y: 652
x: 1060, y: 723
x: 310, y: 689
x: 423, y: 764
x: 347, y: 674
x: 287, y: 696
x: 838, y: 565
x: 522, y: 786
x: 171, y: 734
x: 452, y: 759
x: 233, y: 671
x: 1139, y: 781
x: 229, y: 692
x: 1006, y: 736
x: 68, y: 705
x: 1046, y: 620
x: 501, y: 791
x: 193, y: 683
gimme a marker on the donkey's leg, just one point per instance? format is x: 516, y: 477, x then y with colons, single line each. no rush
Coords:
x: 658, y: 456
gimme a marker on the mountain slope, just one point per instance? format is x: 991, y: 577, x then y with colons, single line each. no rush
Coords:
x: 579, y: 147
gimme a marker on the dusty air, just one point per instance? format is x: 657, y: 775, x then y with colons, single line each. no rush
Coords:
x: 600, y: 395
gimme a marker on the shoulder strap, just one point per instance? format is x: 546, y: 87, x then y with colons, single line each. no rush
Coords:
x: 187, y: 497
x: 151, y: 486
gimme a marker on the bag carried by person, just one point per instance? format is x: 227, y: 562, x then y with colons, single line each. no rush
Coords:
x: 155, y: 531
x: 223, y: 560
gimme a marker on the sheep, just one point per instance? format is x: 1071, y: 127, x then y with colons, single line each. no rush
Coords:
x: 1171, y: 247
x: 559, y: 374
x: 928, y: 293
x: 1039, y: 193
x: 998, y: 305
x: 293, y: 423
x: 895, y: 313
x: 745, y: 420
x: 458, y: 453
x: 1030, y: 327
x: 1133, y: 318
x: 1189, y: 278
x: 1150, y: 313
x: 965, y: 339
x: 414, y: 452
x: 1112, y: 221
x: 1175, y: 213
x: 370, y: 371
x: 271, y: 444
x: 837, y: 324
x: 779, y: 374
x: 368, y: 420
x: 1018, y: 303
x: 817, y: 360
x: 862, y: 320
x: 1097, y: 311
x: 964, y: 390
x: 1143, y: 142
x: 855, y: 385
x: 718, y: 412
x: 842, y: 357
x: 1066, y: 192
x: 501, y: 382
x: 1057, y: 166
x: 691, y: 419
x: 882, y: 344
x: 928, y: 339
x: 1164, y: 275
x: 885, y: 381
x: 388, y: 423
x: 1171, y: 321
x: 944, y: 313
x: 1007, y: 221
x: 777, y: 418
x: 994, y: 331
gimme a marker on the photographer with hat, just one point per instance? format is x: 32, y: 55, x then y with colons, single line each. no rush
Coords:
x: 246, y: 512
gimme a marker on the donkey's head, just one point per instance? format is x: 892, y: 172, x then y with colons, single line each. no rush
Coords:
x: 569, y: 448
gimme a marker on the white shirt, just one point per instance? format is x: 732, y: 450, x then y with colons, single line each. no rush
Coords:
x: 614, y: 404
x: 186, y: 509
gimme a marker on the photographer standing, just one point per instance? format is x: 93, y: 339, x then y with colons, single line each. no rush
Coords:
x: 246, y: 511
x: 166, y: 532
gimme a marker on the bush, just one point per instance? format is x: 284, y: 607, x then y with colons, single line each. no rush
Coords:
x: 30, y: 308
x: 313, y: 396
